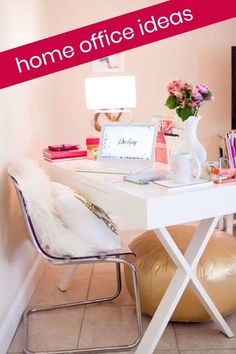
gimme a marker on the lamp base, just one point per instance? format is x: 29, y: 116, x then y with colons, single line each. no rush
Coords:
x: 112, y: 116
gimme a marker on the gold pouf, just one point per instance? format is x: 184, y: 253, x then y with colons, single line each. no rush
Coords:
x: 216, y: 271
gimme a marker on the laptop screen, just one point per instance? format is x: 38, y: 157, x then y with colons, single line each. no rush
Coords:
x: 127, y: 142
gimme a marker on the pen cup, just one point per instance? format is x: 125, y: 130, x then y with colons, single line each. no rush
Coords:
x: 224, y: 163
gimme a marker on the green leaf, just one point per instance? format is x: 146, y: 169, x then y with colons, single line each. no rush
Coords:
x: 184, y: 113
x: 172, y: 102
x: 186, y: 101
x: 187, y: 95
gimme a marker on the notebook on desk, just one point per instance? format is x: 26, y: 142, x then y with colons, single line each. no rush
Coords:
x: 124, y: 149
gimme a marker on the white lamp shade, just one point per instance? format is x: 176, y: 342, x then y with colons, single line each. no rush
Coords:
x: 110, y: 92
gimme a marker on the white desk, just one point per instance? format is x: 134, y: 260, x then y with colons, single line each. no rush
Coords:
x: 152, y: 207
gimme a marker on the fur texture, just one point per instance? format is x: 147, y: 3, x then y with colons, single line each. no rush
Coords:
x: 62, y: 222
x: 84, y: 223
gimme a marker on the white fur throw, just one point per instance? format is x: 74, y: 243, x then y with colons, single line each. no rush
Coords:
x: 62, y: 221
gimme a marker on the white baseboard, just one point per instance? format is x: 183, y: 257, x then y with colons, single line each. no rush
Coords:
x: 13, y: 317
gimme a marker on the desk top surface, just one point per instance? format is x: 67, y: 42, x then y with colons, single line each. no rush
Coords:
x: 147, y: 206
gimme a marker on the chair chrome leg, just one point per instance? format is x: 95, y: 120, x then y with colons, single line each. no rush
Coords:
x: 117, y: 261
x: 118, y: 282
x: 64, y: 283
x: 137, y: 302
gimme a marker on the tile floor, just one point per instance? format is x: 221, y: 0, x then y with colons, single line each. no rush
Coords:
x: 73, y: 328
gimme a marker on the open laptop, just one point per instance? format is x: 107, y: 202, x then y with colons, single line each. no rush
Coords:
x: 123, y: 148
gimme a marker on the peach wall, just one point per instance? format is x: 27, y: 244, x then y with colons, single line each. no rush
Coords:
x: 198, y: 56
x: 22, y: 120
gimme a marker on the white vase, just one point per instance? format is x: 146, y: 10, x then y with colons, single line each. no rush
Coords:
x: 191, y: 144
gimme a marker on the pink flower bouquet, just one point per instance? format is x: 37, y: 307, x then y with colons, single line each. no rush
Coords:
x: 187, y: 98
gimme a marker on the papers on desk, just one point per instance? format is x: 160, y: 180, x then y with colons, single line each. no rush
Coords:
x: 146, y: 176
x: 195, y: 183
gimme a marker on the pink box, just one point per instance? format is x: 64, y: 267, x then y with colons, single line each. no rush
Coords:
x: 161, y: 149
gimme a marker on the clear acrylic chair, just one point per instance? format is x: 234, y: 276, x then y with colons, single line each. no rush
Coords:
x: 115, y: 258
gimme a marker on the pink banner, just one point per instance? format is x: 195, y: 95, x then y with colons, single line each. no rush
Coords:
x: 108, y: 37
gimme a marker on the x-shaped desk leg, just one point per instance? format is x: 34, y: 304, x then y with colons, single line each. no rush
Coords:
x: 186, y: 266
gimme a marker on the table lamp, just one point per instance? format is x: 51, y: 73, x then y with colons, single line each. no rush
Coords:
x: 110, y: 95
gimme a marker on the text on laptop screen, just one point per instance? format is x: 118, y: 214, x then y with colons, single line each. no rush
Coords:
x: 127, y: 142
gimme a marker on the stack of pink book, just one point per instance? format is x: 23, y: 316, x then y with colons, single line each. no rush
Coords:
x: 63, y: 152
